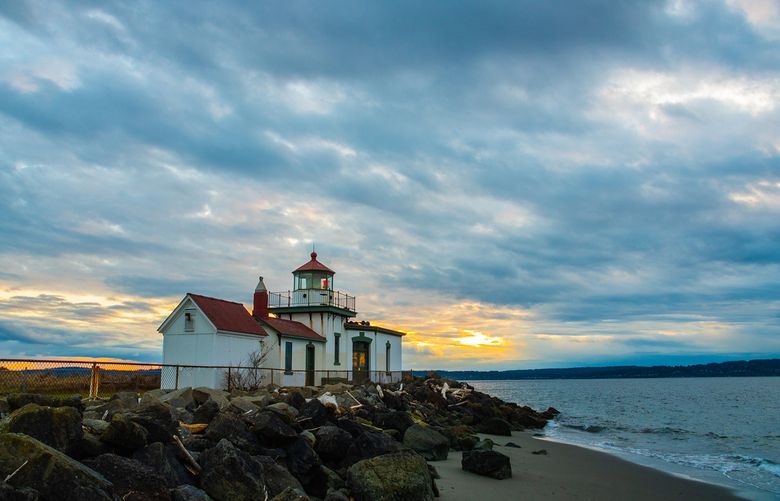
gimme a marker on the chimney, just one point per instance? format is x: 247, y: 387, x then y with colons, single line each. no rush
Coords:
x: 260, y: 307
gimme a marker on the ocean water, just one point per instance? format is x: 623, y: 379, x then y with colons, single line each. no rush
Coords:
x: 718, y: 430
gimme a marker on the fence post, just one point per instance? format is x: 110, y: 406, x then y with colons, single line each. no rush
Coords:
x: 176, y: 385
x: 94, y: 381
x: 272, y: 376
x: 229, y: 380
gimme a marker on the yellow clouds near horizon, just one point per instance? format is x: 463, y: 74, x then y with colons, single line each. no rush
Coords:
x: 441, y: 329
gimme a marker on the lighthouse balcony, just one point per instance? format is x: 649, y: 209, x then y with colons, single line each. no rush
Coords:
x: 311, y: 297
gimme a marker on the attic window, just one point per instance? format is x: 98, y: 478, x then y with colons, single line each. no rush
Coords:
x: 189, y: 321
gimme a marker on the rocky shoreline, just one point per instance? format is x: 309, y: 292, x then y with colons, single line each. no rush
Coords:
x: 337, y: 442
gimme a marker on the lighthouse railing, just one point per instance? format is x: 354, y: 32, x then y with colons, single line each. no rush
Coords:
x: 311, y: 297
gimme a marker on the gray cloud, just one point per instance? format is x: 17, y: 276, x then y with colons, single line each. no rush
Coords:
x: 588, y: 164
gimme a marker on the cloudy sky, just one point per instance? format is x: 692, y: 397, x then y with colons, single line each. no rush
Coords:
x: 517, y: 184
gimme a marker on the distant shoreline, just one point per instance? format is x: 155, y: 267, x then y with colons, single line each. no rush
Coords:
x: 743, y: 368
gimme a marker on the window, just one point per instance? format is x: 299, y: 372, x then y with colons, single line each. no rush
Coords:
x: 189, y: 321
x: 387, y: 356
x: 324, y: 283
x: 337, y: 336
x: 302, y: 284
x: 288, y: 357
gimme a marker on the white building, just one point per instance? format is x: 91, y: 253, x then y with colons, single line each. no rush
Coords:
x: 307, y: 335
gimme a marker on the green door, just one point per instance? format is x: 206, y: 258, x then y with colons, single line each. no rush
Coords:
x: 310, y: 365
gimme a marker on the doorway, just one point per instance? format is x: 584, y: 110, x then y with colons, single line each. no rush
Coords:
x: 360, y: 361
x: 309, y: 364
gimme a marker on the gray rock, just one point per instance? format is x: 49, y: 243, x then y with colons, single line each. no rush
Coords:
x: 228, y: 426
x: 271, y: 429
x: 428, y: 442
x: 487, y: 463
x: 230, y: 474
x: 242, y: 405
x: 368, y: 445
x: 50, y: 472
x: 157, y: 418
x: 178, y: 398
x: 277, y: 477
x: 163, y: 459
x: 202, y: 394
x: 399, y: 476
x: 132, y: 480
x: 59, y: 427
x: 306, y: 466
x: 496, y: 426
x: 98, y: 425
x: 286, y: 411
x: 153, y: 395
x: 205, y: 412
x: 125, y: 433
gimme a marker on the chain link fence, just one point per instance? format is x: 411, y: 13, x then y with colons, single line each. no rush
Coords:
x: 98, y: 379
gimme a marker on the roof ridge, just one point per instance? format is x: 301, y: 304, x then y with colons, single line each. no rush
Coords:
x: 215, y: 298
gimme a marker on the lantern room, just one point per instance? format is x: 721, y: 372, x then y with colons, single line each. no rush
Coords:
x: 313, y: 275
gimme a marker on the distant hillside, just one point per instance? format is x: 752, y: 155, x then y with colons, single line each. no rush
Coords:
x: 742, y: 368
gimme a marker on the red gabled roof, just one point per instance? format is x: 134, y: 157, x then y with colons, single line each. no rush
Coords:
x: 292, y: 328
x: 227, y: 315
x: 313, y: 265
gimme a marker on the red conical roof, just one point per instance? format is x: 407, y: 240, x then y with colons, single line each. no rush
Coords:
x: 313, y: 265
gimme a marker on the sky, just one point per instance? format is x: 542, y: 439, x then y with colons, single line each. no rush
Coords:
x: 516, y: 184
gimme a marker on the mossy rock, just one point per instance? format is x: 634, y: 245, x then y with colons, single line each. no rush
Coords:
x: 59, y: 427
x: 50, y: 472
x: 399, y: 476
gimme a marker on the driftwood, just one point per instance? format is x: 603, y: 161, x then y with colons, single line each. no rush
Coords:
x: 194, y: 428
x: 195, y: 468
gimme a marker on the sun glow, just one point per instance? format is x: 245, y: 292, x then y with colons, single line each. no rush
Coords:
x: 478, y: 339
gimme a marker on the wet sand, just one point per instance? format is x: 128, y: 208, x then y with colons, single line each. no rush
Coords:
x: 568, y: 472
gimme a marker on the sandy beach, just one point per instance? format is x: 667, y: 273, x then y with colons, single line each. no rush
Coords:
x: 567, y: 472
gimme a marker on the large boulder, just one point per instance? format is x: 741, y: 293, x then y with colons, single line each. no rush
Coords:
x: 487, y: 463
x: 271, y: 429
x: 400, y: 476
x: 132, y: 480
x: 230, y: 474
x: 394, y: 420
x: 157, y: 419
x: 428, y: 442
x: 19, y: 400
x: 50, y: 472
x: 496, y: 426
x: 163, y: 458
x: 332, y: 443
x: 227, y: 425
x: 59, y: 427
x: 124, y: 433
x: 368, y: 445
x: 306, y: 466
x: 277, y: 477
